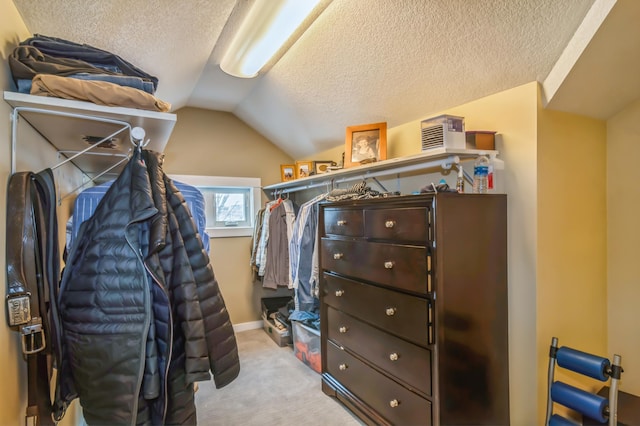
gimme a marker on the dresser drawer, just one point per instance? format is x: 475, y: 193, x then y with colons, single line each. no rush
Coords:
x: 405, y: 361
x: 393, y: 265
x: 348, y: 223
x: 394, y: 402
x: 401, y: 224
x: 397, y: 313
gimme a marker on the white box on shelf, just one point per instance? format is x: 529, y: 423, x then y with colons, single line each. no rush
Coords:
x: 443, y: 131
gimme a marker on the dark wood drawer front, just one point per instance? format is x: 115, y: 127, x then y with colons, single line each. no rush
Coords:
x: 348, y: 223
x: 393, y: 265
x: 395, y: 403
x: 400, y: 314
x: 409, y: 224
x: 405, y: 361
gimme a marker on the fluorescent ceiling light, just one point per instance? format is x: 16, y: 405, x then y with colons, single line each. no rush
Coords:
x: 266, y: 28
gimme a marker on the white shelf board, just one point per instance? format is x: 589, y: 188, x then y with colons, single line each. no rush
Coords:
x: 157, y: 125
x: 70, y: 126
x: 431, y: 159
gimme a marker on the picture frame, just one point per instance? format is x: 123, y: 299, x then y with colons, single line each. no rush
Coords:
x: 365, y: 143
x: 287, y: 172
x: 320, y: 167
x: 304, y: 169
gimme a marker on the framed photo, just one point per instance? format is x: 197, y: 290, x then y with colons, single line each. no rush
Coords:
x: 287, y: 172
x: 304, y: 169
x: 365, y: 143
x: 320, y: 167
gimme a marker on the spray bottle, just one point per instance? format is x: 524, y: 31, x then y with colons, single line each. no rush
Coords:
x: 460, y: 180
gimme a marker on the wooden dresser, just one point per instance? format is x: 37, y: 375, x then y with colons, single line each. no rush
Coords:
x: 414, y: 308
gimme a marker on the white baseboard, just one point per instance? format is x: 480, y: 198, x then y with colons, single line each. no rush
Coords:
x: 252, y: 325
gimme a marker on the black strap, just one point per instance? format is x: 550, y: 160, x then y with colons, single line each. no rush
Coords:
x: 51, y: 251
x: 32, y: 279
x: 19, y: 228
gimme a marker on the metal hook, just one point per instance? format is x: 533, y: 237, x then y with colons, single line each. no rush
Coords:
x: 137, y: 138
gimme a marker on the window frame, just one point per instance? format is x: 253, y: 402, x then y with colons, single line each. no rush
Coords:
x: 203, y: 183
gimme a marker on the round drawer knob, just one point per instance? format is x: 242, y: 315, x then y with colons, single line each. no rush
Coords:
x: 337, y: 256
x: 393, y: 356
x: 388, y: 265
x: 342, y: 367
x: 339, y: 293
x: 342, y: 329
x: 390, y: 224
x: 393, y: 403
x: 390, y: 312
x: 342, y: 222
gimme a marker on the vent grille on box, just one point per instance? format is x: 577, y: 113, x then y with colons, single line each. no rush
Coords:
x: 432, y: 137
x: 444, y: 131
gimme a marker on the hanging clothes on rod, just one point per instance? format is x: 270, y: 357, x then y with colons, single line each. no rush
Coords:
x: 87, y: 201
x: 303, y: 254
x: 270, y: 246
x: 276, y: 271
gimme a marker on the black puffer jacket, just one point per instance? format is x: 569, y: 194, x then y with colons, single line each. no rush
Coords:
x: 141, y: 311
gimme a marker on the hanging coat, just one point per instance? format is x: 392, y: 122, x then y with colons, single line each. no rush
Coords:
x: 142, y: 314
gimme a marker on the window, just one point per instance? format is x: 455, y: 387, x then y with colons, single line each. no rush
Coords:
x: 227, y: 206
x: 231, y: 203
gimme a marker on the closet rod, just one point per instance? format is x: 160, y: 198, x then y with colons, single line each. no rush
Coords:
x: 15, y: 114
x: 445, y: 163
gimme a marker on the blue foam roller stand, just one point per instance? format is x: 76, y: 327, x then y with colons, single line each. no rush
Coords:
x: 583, y: 363
x: 589, y: 404
x: 557, y: 420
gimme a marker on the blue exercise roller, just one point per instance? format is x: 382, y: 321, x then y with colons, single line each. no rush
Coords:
x: 583, y: 363
x: 557, y: 420
x: 589, y: 404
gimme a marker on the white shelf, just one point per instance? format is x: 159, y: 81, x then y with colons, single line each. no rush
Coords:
x: 431, y: 159
x: 67, y: 123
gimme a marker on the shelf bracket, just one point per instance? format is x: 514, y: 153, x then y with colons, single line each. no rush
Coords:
x: 15, y: 115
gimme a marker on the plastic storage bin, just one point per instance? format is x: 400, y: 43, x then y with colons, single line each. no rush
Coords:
x: 270, y: 305
x: 306, y: 345
x: 281, y: 337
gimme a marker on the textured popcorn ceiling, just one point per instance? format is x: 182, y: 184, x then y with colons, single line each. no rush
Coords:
x: 361, y: 61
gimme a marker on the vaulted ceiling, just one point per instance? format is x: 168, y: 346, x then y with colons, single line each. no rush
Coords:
x: 361, y: 61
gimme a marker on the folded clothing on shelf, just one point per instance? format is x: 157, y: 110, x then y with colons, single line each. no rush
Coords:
x: 49, y: 55
x: 54, y: 67
x: 98, y: 92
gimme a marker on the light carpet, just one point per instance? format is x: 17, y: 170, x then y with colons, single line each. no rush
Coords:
x: 273, y: 388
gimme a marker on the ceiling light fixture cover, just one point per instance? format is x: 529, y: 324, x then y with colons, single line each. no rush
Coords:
x: 267, y: 27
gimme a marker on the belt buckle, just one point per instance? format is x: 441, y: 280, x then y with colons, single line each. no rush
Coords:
x: 33, y: 340
x: 19, y: 309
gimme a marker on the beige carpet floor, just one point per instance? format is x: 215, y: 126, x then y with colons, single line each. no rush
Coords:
x: 273, y: 388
